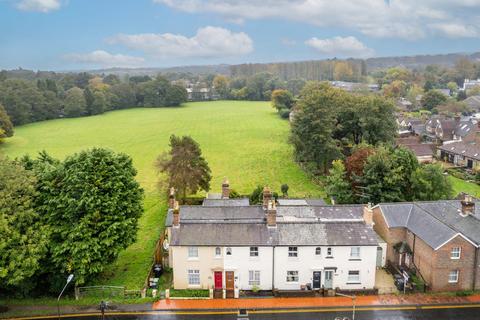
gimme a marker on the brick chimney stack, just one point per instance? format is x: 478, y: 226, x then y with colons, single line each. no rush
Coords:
x: 368, y: 214
x: 225, y: 189
x: 468, y: 206
x: 271, y: 214
x: 176, y: 215
x: 171, y: 198
x: 267, y: 196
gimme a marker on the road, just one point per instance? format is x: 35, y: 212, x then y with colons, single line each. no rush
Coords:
x: 405, y: 313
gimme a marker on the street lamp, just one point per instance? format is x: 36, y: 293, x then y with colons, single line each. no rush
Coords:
x: 69, y: 279
x: 353, y: 302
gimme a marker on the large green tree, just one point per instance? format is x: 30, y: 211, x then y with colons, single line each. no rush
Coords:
x: 338, y: 187
x: 75, y: 104
x: 91, y: 203
x: 432, y: 99
x: 5, y: 124
x: 23, y: 237
x: 313, y: 126
x: 184, y: 166
x: 429, y: 183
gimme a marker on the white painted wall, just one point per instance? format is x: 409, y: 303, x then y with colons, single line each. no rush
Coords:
x: 241, y: 263
x: 307, y: 262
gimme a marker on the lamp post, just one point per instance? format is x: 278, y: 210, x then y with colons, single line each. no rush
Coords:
x: 353, y: 302
x: 69, y: 279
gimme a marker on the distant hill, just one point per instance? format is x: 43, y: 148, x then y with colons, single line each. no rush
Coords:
x: 312, y: 69
x: 419, y: 61
x: 284, y: 69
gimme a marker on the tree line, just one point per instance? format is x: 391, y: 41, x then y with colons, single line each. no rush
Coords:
x: 82, y: 94
x: 61, y: 217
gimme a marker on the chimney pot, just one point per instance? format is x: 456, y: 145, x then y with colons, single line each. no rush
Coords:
x: 225, y: 189
x: 368, y: 214
x: 271, y: 214
x: 176, y: 215
x: 267, y: 196
x: 171, y: 198
x: 468, y: 206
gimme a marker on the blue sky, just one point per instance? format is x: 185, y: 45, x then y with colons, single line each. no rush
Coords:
x: 86, y: 34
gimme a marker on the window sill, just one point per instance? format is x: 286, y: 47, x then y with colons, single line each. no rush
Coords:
x: 193, y: 259
x: 329, y: 257
x: 455, y: 258
x: 354, y: 283
x: 453, y: 282
x: 194, y: 286
x: 354, y: 259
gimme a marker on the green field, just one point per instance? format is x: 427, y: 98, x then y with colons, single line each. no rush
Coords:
x: 244, y: 141
x: 460, y: 185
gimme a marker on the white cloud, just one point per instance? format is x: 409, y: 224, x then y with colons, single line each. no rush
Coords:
x: 408, y: 19
x: 104, y: 59
x: 38, y: 5
x: 344, y: 47
x: 208, y: 42
x: 456, y: 30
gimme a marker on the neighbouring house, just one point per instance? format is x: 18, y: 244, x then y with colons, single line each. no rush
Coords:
x: 473, y: 103
x: 355, y: 86
x: 444, y: 91
x: 423, y: 151
x: 438, y: 239
x: 293, y: 244
x: 461, y: 153
x: 469, y: 84
x: 439, y: 129
x: 409, y: 126
x: 199, y: 94
x: 404, y: 105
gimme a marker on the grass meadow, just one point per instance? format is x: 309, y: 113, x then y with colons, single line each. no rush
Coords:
x: 244, y: 141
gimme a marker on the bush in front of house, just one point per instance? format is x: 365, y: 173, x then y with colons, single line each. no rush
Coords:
x: 190, y: 293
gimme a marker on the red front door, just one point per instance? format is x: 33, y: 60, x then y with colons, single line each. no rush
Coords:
x: 218, y: 280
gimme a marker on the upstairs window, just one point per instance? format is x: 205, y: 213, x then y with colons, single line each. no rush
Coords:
x: 293, y: 251
x: 192, y: 252
x: 455, y: 253
x: 253, y: 251
x: 329, y: 252
x: 355, y: 252
x: 218, y: 252
x: 229, y: 251
x: 318, y: 251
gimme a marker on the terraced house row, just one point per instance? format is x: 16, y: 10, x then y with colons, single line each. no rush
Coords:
x: 303, y: 244
x: 289, y: 244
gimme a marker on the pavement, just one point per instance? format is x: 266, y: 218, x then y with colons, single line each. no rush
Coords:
x: 314, y: 302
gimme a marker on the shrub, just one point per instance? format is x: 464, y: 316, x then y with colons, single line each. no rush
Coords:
x: 284, y: 113
x: 190, y: 293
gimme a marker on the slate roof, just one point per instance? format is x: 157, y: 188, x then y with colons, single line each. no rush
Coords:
x: 296, y: 225
x: 466, y: 149
x: 464, y: 128
x: 473, y: 103
x: 434, y: 222
x: 238, y: 202
x: 301, y: 202
x: 224, y: 234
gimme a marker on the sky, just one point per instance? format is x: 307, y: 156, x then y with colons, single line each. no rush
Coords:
x: 92, y: 34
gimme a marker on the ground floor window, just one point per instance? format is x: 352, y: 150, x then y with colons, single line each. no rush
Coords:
x: 292, y: 276
x: 353, y: 276
x: 193, y: 277
x: 254, y: 277
x: 453, y: 276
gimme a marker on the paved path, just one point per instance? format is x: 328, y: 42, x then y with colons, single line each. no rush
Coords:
x: 286, y: 303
